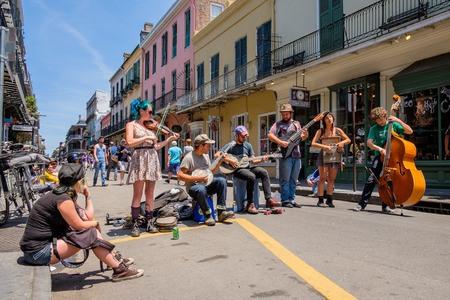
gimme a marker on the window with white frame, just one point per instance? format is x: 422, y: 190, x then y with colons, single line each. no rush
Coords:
x: 216, y: 9
x: 265, y: 122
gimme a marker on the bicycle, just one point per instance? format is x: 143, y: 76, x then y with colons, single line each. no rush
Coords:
x: 16, y: 179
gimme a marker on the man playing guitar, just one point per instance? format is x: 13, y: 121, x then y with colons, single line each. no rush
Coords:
x: 290, y: 166
x: 240, y: 148
x: 195, y: 185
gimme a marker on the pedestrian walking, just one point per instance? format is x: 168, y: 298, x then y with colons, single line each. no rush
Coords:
x: 112, y: 160
x: 123, y: 156
x: 174, y: 161
x: 100, y: 158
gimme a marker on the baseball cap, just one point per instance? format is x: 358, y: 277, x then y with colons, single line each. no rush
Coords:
x: 241, y: 130
x: 174, y: 143
x: 203, y: 139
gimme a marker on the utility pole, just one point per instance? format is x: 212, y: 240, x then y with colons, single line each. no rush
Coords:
x: 3, y: 32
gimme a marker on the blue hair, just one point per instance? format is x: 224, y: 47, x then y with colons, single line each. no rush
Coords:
x: 137, y: 105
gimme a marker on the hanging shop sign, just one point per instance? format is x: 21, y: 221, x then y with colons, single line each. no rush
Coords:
x: 300, y: 97
x: 23, y: 128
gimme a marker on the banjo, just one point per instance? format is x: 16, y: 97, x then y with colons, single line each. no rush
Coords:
x: 244, y: 162
x: 208, y: 172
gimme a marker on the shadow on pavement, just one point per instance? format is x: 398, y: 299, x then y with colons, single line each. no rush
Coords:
x: 69, y: 282
x: 395, y: 214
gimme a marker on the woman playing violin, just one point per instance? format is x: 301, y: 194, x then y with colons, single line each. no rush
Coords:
x: 144, y: 165
x: 376, y: 140
x: 328, y: 171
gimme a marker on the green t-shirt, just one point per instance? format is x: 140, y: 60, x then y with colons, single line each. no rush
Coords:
x: 378, y: 133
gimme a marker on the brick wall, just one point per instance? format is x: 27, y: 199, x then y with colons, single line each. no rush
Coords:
x: 204, y: 10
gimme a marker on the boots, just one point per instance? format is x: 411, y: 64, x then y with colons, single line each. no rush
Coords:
x: 135, y: 231
x: 225, y: 216
x: 320, y: 202
x: 330, y: 200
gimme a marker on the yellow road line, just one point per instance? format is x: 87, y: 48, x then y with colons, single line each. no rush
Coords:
x: 318, y: 281
x: 149, y: 235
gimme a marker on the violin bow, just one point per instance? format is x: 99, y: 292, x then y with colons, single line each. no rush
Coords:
x: 163, y: 119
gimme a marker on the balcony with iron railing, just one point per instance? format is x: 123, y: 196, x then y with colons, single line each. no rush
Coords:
x: 378, y: 19
x: 169, y: 98
x: 112, y: 129
x: 229, y: 85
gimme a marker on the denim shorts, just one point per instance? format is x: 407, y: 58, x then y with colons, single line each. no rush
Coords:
x: 173, y: 168
x: 40, y: 257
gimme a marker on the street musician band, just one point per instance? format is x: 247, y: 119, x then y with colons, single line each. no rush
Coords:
x: 238, y: 158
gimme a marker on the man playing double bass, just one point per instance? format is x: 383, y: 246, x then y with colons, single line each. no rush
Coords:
x: 376, y: 141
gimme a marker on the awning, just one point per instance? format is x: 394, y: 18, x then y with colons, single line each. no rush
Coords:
x: 423, y: 74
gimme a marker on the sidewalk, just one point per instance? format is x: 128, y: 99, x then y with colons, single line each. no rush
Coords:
x: 434, y: 200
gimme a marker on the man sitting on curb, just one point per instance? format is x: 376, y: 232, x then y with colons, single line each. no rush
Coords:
x: 195, y: 185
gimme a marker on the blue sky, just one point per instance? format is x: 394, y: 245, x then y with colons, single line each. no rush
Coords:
x: 74, y: 47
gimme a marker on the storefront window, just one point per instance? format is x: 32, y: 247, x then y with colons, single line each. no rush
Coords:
x: 265, y: 122
x: 363, y: 98
x: 445, y: 121
x: 421, y: 113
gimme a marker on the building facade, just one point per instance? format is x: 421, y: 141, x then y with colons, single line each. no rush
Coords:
x: 75, y: 138
x: 16, y: 79
x: 168, y: 57
x: 231, y: 54
x: 117, y: 83
x: 358, y: 55
x: 96, y: 108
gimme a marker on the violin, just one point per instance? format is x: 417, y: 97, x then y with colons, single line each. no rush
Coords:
x: 400, y: 183
x: 154, y: 125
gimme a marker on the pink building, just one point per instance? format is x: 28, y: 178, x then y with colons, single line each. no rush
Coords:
x: 168, y: 54
x: 167, y: 51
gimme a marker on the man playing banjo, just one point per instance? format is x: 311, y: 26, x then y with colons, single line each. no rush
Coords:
x: 240, y: 148
x: 196, y: 185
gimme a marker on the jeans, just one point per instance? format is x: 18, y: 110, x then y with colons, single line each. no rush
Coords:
x: 289, y: 170
x: 377, y: 166
x: 40, y: 257
x: 251, y: 175
x: 200, y: 194
x: 100, y: 166
x: 112, y: 165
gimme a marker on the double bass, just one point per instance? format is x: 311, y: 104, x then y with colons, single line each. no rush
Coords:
x: 401, y: 184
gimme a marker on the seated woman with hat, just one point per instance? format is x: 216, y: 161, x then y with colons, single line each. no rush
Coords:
x: 46, y: 238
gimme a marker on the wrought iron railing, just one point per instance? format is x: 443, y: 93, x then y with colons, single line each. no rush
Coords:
x: 234, y: 81
x: 113, y: 128
x: 168, y: 98
x: 370, y: 22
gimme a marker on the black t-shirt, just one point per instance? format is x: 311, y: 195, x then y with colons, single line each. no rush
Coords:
x: 123, y: 153
x: 239, y: 150
x: 44, y: 223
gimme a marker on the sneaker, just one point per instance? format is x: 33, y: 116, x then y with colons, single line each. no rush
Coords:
x: 151, y: 227
x: 272, y: 203
x: 251, y: 209
x: 122, y: 272
x: 287, y: 204
x: 135, y: 231
x: 296, y: 205
x: 330, y: 203
x: 224, y: 216
x: 210, y: 221
x: 167, y: 181
x: 387, y: 210
x: 104, y: 184
x: 358, y: 208
x: 127, y: 261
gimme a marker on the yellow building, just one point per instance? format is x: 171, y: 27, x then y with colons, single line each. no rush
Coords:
x: 231, y: 54
x: 125, y: 87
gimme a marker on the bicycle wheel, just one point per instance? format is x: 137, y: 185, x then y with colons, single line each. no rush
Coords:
x: 4, y: 207
x: 25, y: 193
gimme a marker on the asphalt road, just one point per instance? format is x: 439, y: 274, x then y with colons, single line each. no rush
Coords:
x: 305, y: 253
